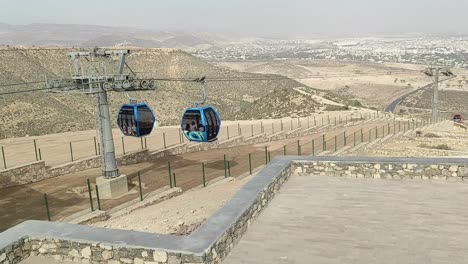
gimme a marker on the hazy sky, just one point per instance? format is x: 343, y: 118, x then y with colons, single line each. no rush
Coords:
x: 293, y: 18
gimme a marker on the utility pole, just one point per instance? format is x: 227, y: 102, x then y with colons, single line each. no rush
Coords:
x: 434, y: 72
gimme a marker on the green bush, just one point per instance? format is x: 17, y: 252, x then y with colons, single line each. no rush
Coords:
x: 431, y: 135
x: 336, y: 107
x: 440, y: 146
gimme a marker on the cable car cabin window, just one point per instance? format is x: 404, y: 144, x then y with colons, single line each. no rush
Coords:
x: 126, y: 122
x: 212, y: 124
x: 192, y: 121
x: 145, y: 120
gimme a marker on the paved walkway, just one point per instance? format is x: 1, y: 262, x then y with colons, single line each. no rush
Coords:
x: 337, y: 220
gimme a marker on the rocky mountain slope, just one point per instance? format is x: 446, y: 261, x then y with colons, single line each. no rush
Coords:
x: 68, y: 35
x: 44, y: 113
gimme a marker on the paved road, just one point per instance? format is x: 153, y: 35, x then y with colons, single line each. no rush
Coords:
x: 337, y: 220
x: 392, y: 106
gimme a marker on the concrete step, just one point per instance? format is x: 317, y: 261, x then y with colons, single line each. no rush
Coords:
x: 375, y: 141
x: 357, y: 147
x: 387, y: 137
x: 340, y: 151
x: 324, y: 153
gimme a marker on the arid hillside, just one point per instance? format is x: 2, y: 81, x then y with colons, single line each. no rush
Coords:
x: 44, y: 113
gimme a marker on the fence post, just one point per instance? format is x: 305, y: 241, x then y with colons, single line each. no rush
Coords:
x: 180, y: 136
x: 71, y: 151
x: 298, y: 148
x: 95, y: 146
x: 315, y: 122
x: 354, y: 138
x: 336, y: 144
x: 175, y: 181
x: 146, y: 145
x: 250, y: 163
x: 281, y: 124
x: 46, y: 202
x: 227, y: 131
x: 40, y: 155
x: 203, y: 174
x: 324, y: 143
x: 362, y: 135
x: 139, y: 186
x: 266, y: 155
x: 123, y: 145
x: 238, y: 129
x: 169, y: 173
x: 35, y: 150
x: 98, y: 198
x: 90, y: 195
x: 229, y: 168
x: 291, y: 125
x: 344, y: 139
x: 313, y: 147
x: 269, y: 156
x: 284, y: 150
x: 141, y: 143
x: 164, y: 140
x: 225, y: 166
x: 251, y: 126
x: 4, y: 159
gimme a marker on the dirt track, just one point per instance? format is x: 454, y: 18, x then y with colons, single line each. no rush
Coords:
x: 26, y: 202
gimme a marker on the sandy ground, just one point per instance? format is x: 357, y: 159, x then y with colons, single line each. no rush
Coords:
x: 55, y: 148
x: 189, y: 209
x: 361, y: 80
x: 427, y: 145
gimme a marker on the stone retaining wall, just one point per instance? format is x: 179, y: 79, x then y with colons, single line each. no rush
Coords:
x: 38, y: 171
x: 384, y: 170
x: 28, y: 173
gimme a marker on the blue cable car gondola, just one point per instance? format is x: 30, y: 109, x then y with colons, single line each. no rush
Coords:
x: 201, y: 123
x: 136, y: 120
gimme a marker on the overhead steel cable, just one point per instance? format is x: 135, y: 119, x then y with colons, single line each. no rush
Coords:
x: 23, y: 83
x: 212, y: 79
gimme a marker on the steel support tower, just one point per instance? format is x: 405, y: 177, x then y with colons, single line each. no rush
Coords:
x: 94, y: 79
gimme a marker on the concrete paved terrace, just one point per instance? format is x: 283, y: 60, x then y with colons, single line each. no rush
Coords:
x: 340, y: 220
